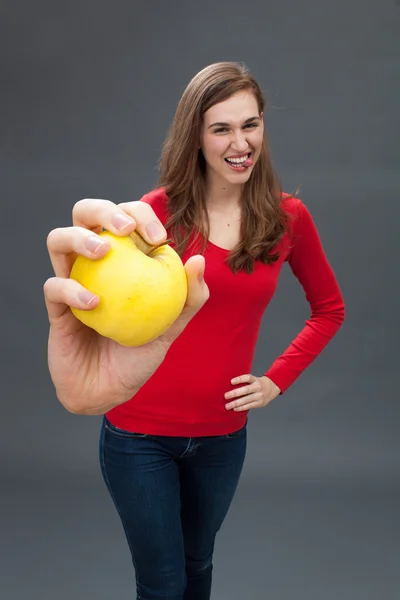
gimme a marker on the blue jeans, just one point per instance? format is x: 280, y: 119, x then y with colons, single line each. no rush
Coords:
x: 172, y: 495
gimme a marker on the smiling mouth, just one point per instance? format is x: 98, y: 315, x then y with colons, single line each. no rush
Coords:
x: 238, y: 162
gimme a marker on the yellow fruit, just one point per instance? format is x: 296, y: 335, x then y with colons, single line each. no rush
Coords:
x: 142, y: 289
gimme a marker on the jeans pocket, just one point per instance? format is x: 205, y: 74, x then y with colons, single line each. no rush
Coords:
x: 122, y: 433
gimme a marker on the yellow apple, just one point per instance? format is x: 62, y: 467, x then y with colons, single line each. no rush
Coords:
x: 142, y: 289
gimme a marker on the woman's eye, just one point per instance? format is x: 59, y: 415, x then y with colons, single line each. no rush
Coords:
x: 224, y: 129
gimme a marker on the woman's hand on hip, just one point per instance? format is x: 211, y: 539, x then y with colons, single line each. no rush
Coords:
x: 256, y: 393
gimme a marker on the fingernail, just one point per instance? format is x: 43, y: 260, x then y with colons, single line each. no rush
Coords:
x: 86, y: 297
x: 94, y: 243
x: 155, y: 232
x: 121, y: 221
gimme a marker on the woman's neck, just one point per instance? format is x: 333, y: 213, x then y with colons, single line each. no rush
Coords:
x: 223, y: 196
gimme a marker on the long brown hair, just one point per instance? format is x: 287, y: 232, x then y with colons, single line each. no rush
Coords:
x: 183, y: 167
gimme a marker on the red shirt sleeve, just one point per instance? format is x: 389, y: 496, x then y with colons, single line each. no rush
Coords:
x: 310, y: 266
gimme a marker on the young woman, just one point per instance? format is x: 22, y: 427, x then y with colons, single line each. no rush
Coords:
x: 173, y: 436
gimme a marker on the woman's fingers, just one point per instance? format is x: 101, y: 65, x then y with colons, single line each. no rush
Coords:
x: 198, y: 294
x: 65, y: 243
x: 148, y: 224
x: 120, y: 219
x: 94, y: 213
x: 89, y: 217
x: 61, y: 293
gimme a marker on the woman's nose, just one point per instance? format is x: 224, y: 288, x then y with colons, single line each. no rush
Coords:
x: 239, y: 142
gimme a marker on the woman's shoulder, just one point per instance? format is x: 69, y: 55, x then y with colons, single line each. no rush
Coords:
x: 300, y: 222
x: 291, y: 204
x: 299, y: 215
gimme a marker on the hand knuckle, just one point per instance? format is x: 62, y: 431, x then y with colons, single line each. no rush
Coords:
x: 141, y: 212
x: 49, y: 286
x: 52, y: 237
x: 84, y: 204
x: 80, y: 204
x: 78, y: 208
x: 131, y: 206
x: 46, y: 287
x: 123, y: 205
x: 145, y: 211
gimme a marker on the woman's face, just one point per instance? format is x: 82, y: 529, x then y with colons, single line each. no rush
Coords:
x: 231, y: 139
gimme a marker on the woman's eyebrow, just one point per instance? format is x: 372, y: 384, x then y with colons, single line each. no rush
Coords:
x: 249, y: 120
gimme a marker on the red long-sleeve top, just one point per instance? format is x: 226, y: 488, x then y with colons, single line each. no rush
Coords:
x: 185, y: 396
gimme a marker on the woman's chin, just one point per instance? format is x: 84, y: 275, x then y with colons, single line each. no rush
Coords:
x: 230, y: 178
x: 238, y: 178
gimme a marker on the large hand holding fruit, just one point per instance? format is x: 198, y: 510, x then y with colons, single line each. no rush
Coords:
x: 142, y: 289
x: 91, y: 372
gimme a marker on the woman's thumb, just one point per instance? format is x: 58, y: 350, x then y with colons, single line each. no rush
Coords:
x: 197, y: 296
x: 198, y: 292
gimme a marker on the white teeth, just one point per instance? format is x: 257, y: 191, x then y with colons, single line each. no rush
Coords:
x: 237, y: 160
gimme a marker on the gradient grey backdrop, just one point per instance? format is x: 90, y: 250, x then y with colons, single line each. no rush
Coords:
x: 88, y: 91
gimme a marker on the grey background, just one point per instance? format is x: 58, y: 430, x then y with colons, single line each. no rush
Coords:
x: 88, y: 91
